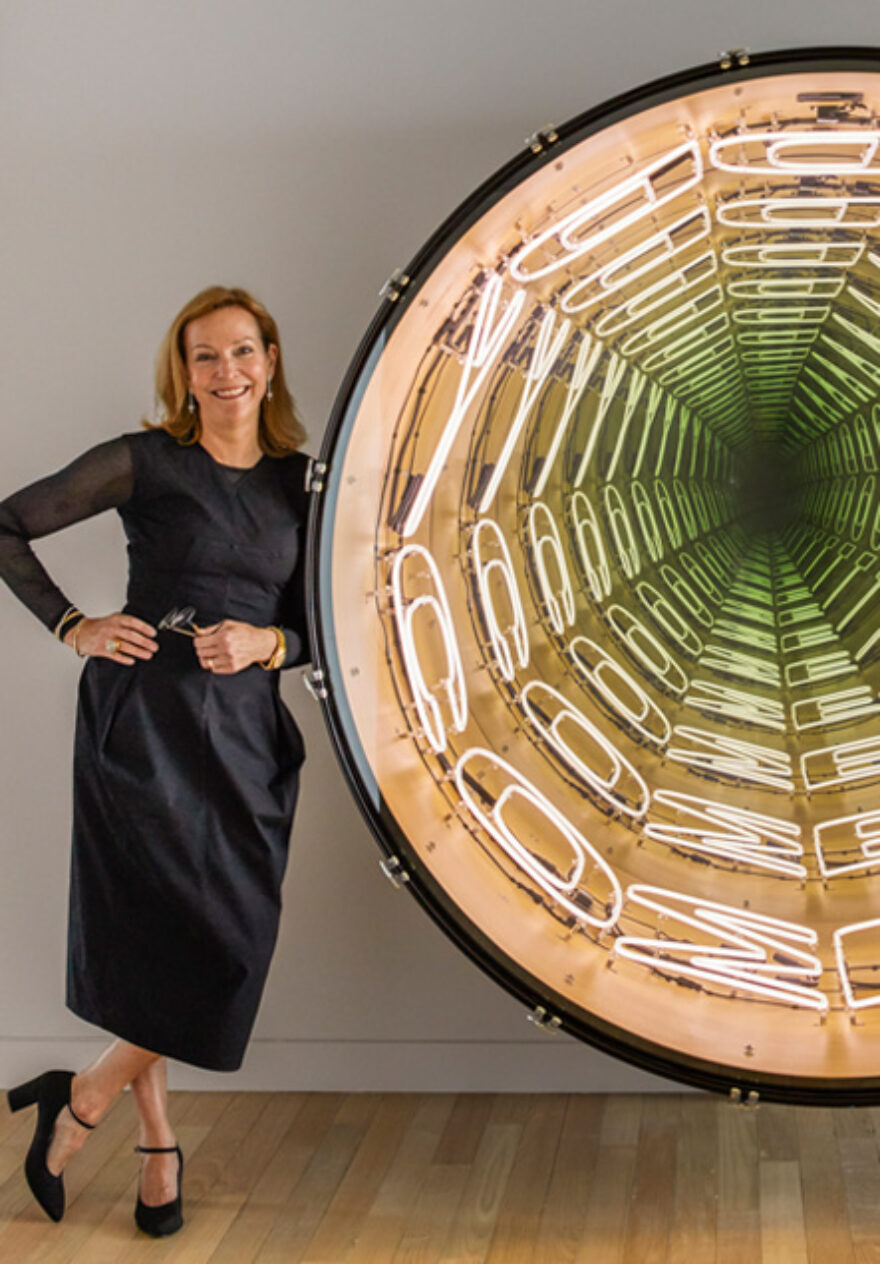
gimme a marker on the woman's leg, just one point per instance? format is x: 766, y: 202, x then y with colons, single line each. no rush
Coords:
x: 159, y: 1182
x: 91, y: 1093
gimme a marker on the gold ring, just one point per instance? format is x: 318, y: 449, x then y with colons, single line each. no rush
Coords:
x: 111, y: 646
x: 209, y: 662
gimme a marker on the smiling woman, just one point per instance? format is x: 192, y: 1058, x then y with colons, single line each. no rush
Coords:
x: 186, y: 760
x: 229, y: 368
x: 231, y: 314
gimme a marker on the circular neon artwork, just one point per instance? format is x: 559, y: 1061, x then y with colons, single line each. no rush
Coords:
x: 597, y: 576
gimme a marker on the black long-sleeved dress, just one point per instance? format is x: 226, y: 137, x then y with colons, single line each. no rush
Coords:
x: 185, y: 782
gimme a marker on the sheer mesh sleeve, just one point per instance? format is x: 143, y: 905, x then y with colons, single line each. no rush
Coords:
x: 293, y: 616
x: 293, y: 621
x: 102, y: 478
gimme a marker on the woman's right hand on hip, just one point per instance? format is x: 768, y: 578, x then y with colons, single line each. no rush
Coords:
x: 121, y: 637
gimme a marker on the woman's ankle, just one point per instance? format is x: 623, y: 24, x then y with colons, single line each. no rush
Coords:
x: 156, y: 1139
x: 155, y: 1131
x: 86, y: 1103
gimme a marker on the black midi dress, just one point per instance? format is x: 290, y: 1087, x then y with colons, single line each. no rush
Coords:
x: 185, y: 782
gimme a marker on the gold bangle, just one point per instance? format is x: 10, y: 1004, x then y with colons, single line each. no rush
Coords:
x: 60, y: 628
x: 79, y: 654
x: 275, y: 660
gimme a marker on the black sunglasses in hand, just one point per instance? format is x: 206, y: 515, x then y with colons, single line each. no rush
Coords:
x: 183, y: 620
x: 180, y: 620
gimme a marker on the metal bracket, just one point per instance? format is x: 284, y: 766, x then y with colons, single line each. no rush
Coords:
x: 549, y: 1023
x: 750, y: 1101
x: 741, y: 56
x: 394, y: 872
x: 543, y: 139
x: 395, y: 285
x: 315, y: 477
x: 314, y: 683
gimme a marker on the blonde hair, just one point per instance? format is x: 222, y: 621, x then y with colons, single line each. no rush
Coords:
x: 280, y: 428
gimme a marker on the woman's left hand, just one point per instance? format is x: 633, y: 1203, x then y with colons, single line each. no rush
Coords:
x: 230, y: 646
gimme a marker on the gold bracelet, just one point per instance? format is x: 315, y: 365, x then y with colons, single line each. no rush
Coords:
x: 70, y: 613
x: 75, y: 624
x: 79, y: 654
x: 279, y: 654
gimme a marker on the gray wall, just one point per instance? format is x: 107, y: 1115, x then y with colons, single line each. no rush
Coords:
x: 304, y: 150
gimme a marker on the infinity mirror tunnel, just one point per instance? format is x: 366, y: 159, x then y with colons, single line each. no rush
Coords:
x: 596, y: 576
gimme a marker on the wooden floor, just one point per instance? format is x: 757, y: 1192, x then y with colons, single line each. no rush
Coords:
x: 284, y: 1177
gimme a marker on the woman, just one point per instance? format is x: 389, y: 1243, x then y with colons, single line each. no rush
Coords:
x: 186, y: 760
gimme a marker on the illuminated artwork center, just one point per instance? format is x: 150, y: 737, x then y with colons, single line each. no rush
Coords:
x: 599, y: 577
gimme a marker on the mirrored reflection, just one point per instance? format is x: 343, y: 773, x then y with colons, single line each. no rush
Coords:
x: 612, y: 526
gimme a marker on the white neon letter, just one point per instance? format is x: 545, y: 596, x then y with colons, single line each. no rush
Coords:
x: 730, y: 834
x: 852, y: 841
x: 510, y: 644
x: 759, y: 955
x: 646, y: 649
x: 722, y: 756
x: 427, y: 608
x: 588, y: 355
x: 590, y: 547
x: 489, y: 335
x: 608, y: 214
x: 565, y: 883
x: 545, y: 353
x: 618, y: 784
x: 619, y: 691
x: 548, y: 557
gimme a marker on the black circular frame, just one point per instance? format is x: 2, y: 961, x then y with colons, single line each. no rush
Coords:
x: 329, y: 685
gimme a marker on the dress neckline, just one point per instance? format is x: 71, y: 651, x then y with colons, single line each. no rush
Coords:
x: 241, y: 469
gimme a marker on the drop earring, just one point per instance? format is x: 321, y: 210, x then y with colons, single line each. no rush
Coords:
x: 191, y: 403
x: 269, y: 390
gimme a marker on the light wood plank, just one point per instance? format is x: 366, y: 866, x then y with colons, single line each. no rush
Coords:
x: 242, y: 1188
x: 464, y: 1131
x: 622, y: 1119
x: 777, y: 1132
x: 653, y: 1195
x: 825, y: 1208
x: 429, y: 1224
x: 604, y: 1229
x: 484, y: 1191
x: 738, y: 1220
x: 337, y: 1232
x: 519, y: 1214
x: 693, y: 1232
x: 385, y: 1224
x: 301, y: 1215
x: 568, y: 1194
x: 783, y: 1234
x: 858, y: 1157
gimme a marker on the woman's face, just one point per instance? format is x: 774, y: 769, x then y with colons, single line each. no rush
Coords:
x: 228, y: 366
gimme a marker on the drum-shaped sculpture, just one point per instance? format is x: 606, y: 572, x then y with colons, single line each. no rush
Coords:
x: 596, y: 567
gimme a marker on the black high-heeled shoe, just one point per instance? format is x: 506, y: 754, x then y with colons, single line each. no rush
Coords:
x: 161, y: 1222
x: 51, y: 1093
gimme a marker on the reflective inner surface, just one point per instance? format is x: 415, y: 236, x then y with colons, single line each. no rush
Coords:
x: 599, y: 582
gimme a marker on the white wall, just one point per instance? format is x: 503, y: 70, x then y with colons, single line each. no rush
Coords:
x: 304, y: 150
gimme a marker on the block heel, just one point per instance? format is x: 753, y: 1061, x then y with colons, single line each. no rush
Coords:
x: 50, y: 1093
x: 24, y: 1095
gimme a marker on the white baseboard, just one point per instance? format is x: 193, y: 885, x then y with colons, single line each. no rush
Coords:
x: 544, y: 1064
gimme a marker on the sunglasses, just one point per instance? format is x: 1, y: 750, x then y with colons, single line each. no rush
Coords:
x: 180, y: 620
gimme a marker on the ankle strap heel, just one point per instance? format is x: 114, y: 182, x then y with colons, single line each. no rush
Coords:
x: 50, y: 1093
x: 161, y: 1222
